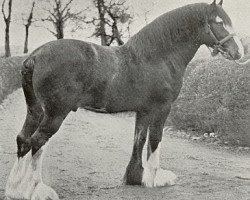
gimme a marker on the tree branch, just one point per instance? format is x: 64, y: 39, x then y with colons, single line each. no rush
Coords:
x: 67, y: 5
x: 4, y: 16
x: 29, y: 20
x: 10, y: 6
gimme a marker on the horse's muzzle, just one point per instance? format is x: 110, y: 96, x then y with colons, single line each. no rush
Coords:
x: 237, y: 56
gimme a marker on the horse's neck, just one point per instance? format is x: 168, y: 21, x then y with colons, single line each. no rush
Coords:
x: 183, y: 54
x: 179, y: 54
x: 174, y: 35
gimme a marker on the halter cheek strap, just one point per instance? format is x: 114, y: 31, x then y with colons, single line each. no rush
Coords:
x: 218, y: 43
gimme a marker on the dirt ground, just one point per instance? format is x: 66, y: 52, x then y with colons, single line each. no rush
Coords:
x: 87, y: 158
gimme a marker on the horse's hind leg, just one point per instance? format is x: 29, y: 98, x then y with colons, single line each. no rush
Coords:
x: 33, y: 118
x: 28, y: 168
x: 48, y: 127
x: 34, y: 112
x: 50, y: 124
x: 153, y: 175
x: 134, y: 171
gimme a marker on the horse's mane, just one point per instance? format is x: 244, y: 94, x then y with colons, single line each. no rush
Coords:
x: 177, y: 26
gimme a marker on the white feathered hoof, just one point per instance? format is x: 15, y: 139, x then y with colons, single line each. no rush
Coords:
x: 44, y: 192
x: 20, y: 183
x: 158, y: 178
x: 164, y: 178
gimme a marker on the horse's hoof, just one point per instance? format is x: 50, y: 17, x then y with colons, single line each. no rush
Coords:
x: 133, y: 175
x: 44, y: 192
x: 164, y: 178
x: 158, y: 178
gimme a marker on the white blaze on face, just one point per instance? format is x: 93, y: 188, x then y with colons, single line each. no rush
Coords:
x: 236, y: 39
x: 230, y: 30
x: 218, y: 19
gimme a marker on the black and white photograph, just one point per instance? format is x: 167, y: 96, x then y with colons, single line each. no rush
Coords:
x: 124, y: 99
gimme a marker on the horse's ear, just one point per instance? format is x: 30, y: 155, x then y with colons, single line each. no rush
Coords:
x: 214, y: 3
x: 221, y: 2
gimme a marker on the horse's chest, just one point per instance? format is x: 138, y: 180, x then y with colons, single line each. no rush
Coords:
x: 165, y: 84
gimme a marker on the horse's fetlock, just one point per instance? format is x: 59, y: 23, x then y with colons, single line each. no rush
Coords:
x: 23, y: 145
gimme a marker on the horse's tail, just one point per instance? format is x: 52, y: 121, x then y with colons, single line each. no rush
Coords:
x: 34, y: 107
x: 27, y: 82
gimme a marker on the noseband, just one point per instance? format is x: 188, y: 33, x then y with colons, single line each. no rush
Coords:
x: 217, y: 47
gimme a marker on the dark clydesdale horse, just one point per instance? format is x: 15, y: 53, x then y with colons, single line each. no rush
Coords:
x: 144, y: 75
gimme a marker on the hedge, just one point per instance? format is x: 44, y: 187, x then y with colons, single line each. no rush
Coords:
x: 10, y: 76
x: 215, y: 98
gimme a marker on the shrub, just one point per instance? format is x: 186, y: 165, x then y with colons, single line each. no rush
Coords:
x: 215, y: 98
x: 10, y: 76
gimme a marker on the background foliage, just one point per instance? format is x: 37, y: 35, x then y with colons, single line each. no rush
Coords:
x: 215, y: 98
x: 10, y: 76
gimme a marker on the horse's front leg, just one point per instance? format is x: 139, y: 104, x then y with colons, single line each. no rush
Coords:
x: 153, y: 175
x: 134, y: 171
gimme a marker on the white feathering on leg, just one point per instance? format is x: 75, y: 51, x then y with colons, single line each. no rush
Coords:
x: 44, y: 192
x: 153, y: 175
x: 150, y: 168
x: 25, y: 179
x: 164, y: 177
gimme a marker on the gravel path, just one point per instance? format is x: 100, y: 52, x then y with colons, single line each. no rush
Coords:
x: 87, y: 158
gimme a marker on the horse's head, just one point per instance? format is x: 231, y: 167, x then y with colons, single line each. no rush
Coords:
x: 221, y: 35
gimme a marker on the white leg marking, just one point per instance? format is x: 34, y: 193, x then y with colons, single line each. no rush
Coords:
x: 25, y: 179
x: 237, y: 40
x: 44, y: 192
x: 153, y: 176
x: 15, y: 187
x: 164, y: 177
x: 150, y: 168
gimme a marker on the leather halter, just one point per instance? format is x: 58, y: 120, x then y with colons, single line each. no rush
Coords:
x: 218, y: 48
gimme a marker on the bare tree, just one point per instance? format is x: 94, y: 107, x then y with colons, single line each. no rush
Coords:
x: 101, y: 30
x: 112, y: 14
x: 146, y: 12
x: 27, y: 26
x: 7, y: 20
x: 59, y: 15
x: 118, y: 13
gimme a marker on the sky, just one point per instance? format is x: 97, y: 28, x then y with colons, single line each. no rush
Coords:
x: 239, y: 12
